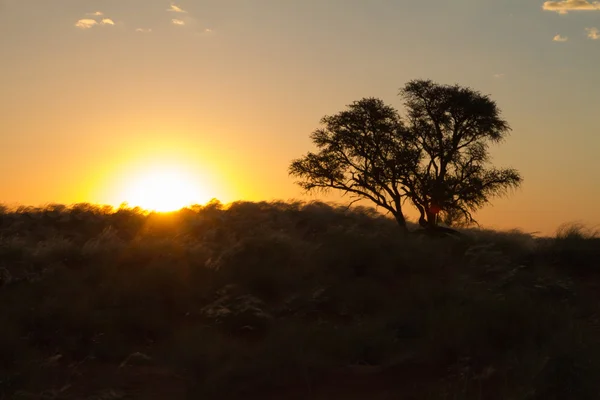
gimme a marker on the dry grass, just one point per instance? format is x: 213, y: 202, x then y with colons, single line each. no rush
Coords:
x: 253, y: 299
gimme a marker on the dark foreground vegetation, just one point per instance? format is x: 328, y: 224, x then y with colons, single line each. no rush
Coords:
x: 290, y: 300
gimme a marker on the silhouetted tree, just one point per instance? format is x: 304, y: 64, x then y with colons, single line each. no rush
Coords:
x: 438, y: 159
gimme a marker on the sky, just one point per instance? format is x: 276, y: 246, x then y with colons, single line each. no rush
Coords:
x: 97, y: 93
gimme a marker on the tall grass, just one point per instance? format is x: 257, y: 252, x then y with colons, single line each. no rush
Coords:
x: 252, y: 299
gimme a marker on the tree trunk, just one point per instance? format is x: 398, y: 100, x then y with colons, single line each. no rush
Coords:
x: 422, y: 220
x: 431, y: 220
x: 401, y: 222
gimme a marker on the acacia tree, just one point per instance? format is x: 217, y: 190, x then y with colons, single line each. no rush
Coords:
x: 438, y: 159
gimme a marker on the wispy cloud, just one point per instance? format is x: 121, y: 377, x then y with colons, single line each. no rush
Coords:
x: 188, y: 21
x: 176, y: 9
x: 593, y: 33
x: 498, y: 76
x: 86, y: 23
x: 205, y: 32
x: 564, y: 6
x: 561, y: 39
x: 143, y: 30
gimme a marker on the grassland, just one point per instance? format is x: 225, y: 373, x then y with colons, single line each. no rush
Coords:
x: 290, y: 300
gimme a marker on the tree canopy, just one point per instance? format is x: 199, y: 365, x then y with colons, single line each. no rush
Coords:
x: 437, y: 156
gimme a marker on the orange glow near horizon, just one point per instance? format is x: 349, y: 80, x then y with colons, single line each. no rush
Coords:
x: 161, y: 186
x: 165, y: 189
x: 159, y: 173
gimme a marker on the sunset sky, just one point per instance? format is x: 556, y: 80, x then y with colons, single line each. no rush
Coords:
x: 96, y: 94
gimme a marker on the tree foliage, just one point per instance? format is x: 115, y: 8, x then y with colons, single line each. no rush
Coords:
x: 436, y: 156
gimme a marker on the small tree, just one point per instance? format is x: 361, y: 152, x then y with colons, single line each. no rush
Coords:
x: 437, y: 159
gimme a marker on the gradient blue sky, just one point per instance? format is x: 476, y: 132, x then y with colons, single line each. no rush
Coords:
x: 233, y: 90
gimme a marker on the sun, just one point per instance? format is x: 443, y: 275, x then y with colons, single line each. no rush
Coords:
x: 164, y: 189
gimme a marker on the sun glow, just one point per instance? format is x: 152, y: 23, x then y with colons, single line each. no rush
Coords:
x: 164, y: 189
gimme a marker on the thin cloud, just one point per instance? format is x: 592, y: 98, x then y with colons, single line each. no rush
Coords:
x: 176, y: 9
x: 499, y: 76
x: 205, y: 32
x: 107, y: 21
x: 561, y: 39
x: 143, y: 30
x: 593, y: 33
x: 178, y: 22
x: 564, y: 6
x: 86, y: 23
x: 95, y: 14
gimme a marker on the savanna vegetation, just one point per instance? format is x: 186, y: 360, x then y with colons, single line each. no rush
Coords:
x: 311, y: 300
x: 290, y: 300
